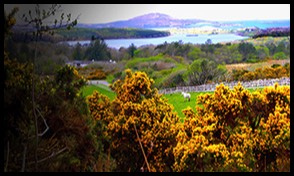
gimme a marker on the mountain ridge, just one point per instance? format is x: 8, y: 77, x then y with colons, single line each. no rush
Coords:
x: 160, y: 20
x: 150, y: 20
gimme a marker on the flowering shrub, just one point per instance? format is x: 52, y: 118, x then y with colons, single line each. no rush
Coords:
x: 137, y: 116
x: 231, y: 130
x: 236, y: 130
x: 97, y: 74
x: 262, y: 73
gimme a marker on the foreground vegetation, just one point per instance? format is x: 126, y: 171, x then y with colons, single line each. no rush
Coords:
x: 139, y: 116
x: 210, y: 138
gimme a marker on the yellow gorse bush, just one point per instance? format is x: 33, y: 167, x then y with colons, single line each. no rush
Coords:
x: 261, y: 73
x: 137, y: 104
x: 231, y: 129
x: 236, y: 130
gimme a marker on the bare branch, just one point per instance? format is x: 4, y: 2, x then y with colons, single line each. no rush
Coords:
x: 47, y: 127
x: 142, y: 148
x: 7, y: 157
x: 24, y: 158
x: 38, y: 20
x: 52, y: 155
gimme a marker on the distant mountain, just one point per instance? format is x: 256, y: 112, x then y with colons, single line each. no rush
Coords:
x: 159, y: 20
x: 151, y: 20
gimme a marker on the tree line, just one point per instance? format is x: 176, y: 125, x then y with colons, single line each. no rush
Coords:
x: 89, y: 34
x: 274, y: 32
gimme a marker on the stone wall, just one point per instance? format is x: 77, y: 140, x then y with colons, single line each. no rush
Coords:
x: 211, y: 87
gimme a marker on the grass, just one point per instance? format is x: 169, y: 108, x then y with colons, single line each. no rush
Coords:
x: 137, y: 61
x: 89, y: 89
x: 179, y: 103
x: 176, y: 100
x: 158, y: 67
x: 110, y: 78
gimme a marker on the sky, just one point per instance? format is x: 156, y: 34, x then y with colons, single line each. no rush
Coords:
x: 104, y: 13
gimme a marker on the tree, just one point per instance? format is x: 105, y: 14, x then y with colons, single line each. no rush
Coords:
x: 208, y: 42
x: 202, y: 70
x: 98, y: 51
x: 9, y: 21
x: 36, y: 21
x: 45, y: 120
x: 138, y: 123
x: 208, y: 47
x: 132, y: 48
x: 145, y: 51
x: 195, y: 53
x: 246, y: 49
x: 66, y: 137
x: 78, y: 53
x: 272, y: 48
x: 262, y: 52
x: 235, y: 55
x: 161, y: 48
x: 175, y: 79
x: 281, y: 47
x: 280, y: 56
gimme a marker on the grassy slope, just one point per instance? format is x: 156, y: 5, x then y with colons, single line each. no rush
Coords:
x: 89, y: 89
x: 161, y: 74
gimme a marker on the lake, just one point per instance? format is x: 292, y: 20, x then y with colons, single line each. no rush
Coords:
x: 200, y: 39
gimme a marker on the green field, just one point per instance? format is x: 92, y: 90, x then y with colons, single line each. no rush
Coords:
x: 89, y: 89
x: 176, y: 99
x: 179, y: 103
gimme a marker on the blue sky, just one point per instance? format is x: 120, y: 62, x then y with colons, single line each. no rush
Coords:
x: 103, y: 13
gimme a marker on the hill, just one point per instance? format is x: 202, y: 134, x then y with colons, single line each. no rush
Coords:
x: 151, y: 20
x: 159, y: 20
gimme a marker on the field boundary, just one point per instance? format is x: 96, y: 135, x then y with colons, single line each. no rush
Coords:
x: 211, y: 87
